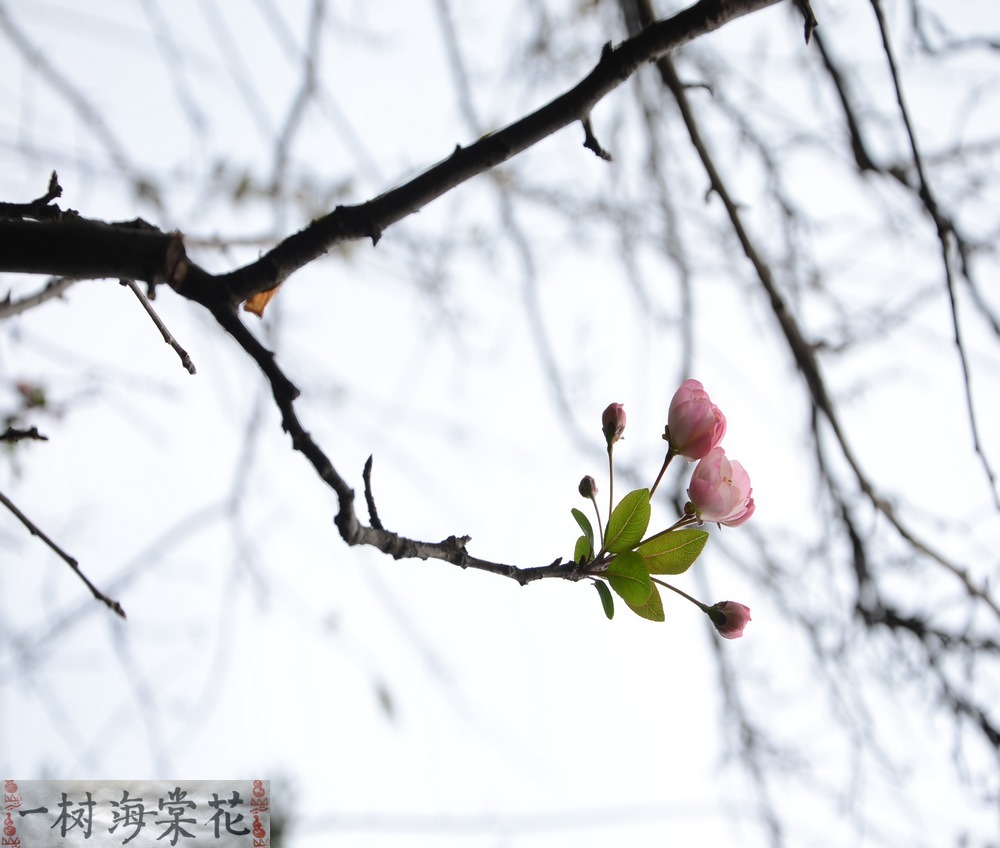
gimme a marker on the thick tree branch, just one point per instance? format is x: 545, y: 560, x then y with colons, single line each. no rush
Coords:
x: 74, y: 247
x: 368, y: 220
x: 71, y: 246
x: 80, y: 248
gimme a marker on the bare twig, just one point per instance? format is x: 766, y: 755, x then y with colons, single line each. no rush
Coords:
x: 39, y: 207
x: 451, y: 549
x: 369, y: 219
x: 306, y: 92
x: 70, y: 561
x: 591, y: 143
x: 159, y: 256
x: 167, y: 336
x: 52, y: 289
x: 366, y: 475
x: 95, y: 249
x: 944, y: 233
x: 803, y: 353
x: 512, y: 228
x: 809, y: 18
x: 16, y: 434
x: 39, y: 60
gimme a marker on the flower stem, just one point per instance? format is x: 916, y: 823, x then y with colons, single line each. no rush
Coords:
x: 684, y: 521
x: 666, y: 462
x: 600, y: 529
x: 697, y: 603
x: 611, y: 486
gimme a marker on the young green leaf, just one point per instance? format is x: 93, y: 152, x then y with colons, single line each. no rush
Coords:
x: 674, y: 552
x: 607, y: 601
x: 583, y: 551
x: 652, y: 609
x: 629, y: 578
x: 627, y: 524
x: 585, y: 526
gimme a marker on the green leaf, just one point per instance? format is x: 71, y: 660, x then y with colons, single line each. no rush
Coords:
x: 629, y: 578
x: 585, y: 526
x: 627, y: 524
x: 607, y: 601
x: 674, y: 552
x: 583, y: 551
x: 652, y: 609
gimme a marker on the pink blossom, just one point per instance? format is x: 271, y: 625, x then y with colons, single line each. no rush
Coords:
x: 729, y: 618
x: 720, y: 490
x: 695, y: 425
x: 613, y: 422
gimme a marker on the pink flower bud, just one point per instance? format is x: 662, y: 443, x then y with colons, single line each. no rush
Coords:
x: 694, y: 424
x: 729, y: 618
x: 720, y: 490
x: 613, y: 422
x: 588, y: 487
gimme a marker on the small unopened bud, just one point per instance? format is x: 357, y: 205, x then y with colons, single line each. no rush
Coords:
x: 588, y: 487
x: 729, y: 618
x: 613, y: 422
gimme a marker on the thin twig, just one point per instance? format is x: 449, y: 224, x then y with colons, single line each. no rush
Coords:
x: 944, y: 233
x: 371, y: 218
x: 591, y: 143
x: 16, y: 434
x: 803, y: 353
x: 809, y: 18
x: 306, y: 92
x: 44, y: 68
x: 353, y: 532
x: 70, y: 561
x: 167, y: 337
x: 39, y: 207
x: 366, y: 475
x: 53, y: 288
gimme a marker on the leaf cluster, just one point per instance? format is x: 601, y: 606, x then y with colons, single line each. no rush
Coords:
x: 627, y: 558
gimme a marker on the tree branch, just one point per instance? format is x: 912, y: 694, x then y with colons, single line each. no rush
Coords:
x: 72, y: 246
x: 452, y: 549
x: 75, y: 247
x: 70, y: 561
x: 803, y: 353
x: 944, y: 234
x: 53, y: 288
x: 16, y: 434
x: 368, y: 220
x: 167, y: 335
x: 92, y: 249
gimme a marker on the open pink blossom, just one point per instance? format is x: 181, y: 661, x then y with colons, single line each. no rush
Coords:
x: 613, y: 422
x: 695, y: 425
x: 729, y: 618
x: 720, y: 490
